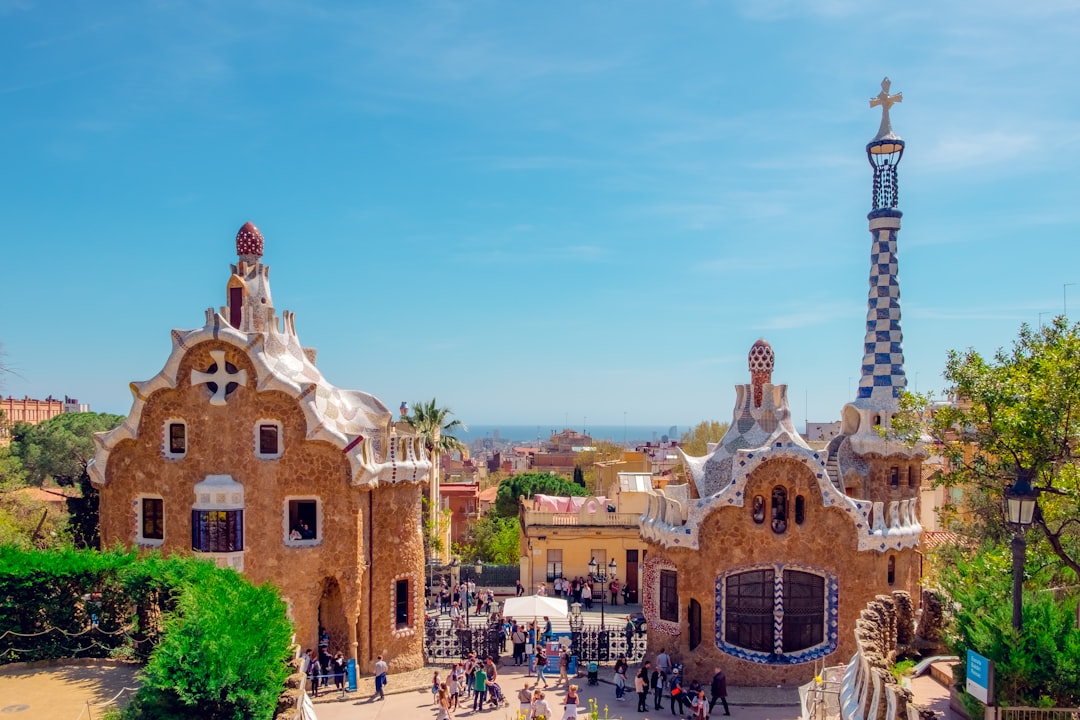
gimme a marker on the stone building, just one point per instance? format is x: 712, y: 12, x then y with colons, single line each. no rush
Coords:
x: 763, y: 562
x: 240, y: 451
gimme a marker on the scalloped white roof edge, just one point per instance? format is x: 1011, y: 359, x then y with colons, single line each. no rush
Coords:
x: 351, y: 420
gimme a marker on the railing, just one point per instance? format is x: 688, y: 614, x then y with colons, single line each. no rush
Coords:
x: 446, y: 642
x: 1031, y: 713
x: 591, y: 643
x: 601, y: 519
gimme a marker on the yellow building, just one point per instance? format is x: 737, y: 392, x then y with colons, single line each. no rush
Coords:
x: 560, y: 536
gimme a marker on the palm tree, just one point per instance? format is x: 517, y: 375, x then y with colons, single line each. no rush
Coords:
x: 433, y: 424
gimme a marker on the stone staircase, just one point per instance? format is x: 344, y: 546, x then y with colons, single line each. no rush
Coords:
x: 832, y: 466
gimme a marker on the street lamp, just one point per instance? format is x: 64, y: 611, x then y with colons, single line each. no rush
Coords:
x: 478, y: 568
x: 1020, y: 500
x: 602, y: 579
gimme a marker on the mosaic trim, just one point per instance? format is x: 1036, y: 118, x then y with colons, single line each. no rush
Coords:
x: 883, y: 358
x: 778, y: 657
x: 650, y: 605
x: 414, y: 604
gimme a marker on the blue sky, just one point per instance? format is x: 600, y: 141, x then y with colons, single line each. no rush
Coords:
x: 532, y: 211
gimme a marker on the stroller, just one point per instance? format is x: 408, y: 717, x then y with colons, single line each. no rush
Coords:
x: 495, y: 694
x: 594, y: 672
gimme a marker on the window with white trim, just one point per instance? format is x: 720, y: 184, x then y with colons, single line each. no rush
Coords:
x: 217, y: 520
x: 268, y: 439
x: 151, y: 518
x: 174, y: 440
x: 303, y: 521
x: 402, y: 605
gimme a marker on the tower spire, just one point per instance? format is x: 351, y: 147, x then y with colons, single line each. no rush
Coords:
x: 882, y: 377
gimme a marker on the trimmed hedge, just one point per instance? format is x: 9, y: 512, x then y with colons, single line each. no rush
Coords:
x: 217, y: 646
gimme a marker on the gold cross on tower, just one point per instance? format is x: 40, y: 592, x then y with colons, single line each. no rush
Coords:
x: 886, y: 101
x: 220, y: 378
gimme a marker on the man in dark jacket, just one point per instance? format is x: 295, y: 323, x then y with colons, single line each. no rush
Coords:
x: 719, y: 691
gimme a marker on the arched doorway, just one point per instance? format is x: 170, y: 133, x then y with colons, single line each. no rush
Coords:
x: 332, y: 617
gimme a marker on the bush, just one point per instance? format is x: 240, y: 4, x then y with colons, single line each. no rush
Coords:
x: 218, y: 646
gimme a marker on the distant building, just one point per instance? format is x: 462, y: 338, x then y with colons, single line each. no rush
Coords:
x: 32, y: 411
x: 822, y: 432
x: 560, y: 536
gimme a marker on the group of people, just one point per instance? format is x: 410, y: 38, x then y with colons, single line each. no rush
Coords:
x: 454, y: 600
x: 474, y: 678
x: 666, y: 679
x: 321, y: 666
x: 584, y: 589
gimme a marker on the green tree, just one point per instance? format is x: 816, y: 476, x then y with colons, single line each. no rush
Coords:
x: 696, y: 440
x: 1017, y: 413
x: 495, y: 540
x: 223, y: 653
x: 529, y: 484
x: 60, y: 448
x: 1036, y: 667
x: 435, y: 426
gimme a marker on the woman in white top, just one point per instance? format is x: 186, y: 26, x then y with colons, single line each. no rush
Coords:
x: 540, y: 707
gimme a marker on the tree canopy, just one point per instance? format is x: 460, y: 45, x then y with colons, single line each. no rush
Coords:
x: 695, y: 440
x: 433, y: 423
x: 528, y: 484
x: 1015, y: 413
x: 60, y: 449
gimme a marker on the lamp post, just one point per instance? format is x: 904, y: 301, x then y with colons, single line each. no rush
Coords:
x: 455, y: 577
x: 478, y: 568
x: 601, y: 578
x: 1020, y: 500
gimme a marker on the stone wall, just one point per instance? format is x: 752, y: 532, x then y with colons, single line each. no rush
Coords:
x: 869, y: 691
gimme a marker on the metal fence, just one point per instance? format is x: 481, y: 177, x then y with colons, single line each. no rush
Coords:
x: 1031, y: 713
x: 491, y: 576
x: 444, y: 641
x: 447, y: 642
x: 591, y: 643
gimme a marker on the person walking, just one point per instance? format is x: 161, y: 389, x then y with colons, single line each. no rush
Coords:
x: 479, y: 689
x: 457, y: 677
x: 718, y: 690
x: 381, y: 669
x: 570, y: 703
x: 564, y: 665
x: 541, y: 664
x: 620, y: 677
x: 443, y: 702
x: 675, y: 689
x: 525, y: 698
x: 519, y: 590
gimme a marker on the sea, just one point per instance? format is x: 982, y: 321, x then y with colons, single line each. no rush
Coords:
x: 619, y: 434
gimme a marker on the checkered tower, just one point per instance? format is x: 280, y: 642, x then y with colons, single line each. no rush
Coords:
x: 882, y: 374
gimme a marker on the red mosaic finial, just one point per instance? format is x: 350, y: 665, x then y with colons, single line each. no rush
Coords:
x: 249, y: 241
x: 761, y: 360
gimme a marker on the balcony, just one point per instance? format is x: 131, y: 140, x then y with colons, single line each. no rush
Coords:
x: 542, y: 518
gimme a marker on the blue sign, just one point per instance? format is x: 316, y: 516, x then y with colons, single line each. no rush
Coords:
x: 980, y: 677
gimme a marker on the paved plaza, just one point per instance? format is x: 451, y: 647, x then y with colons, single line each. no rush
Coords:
x: 415, y: 702
x: 64, y: 692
